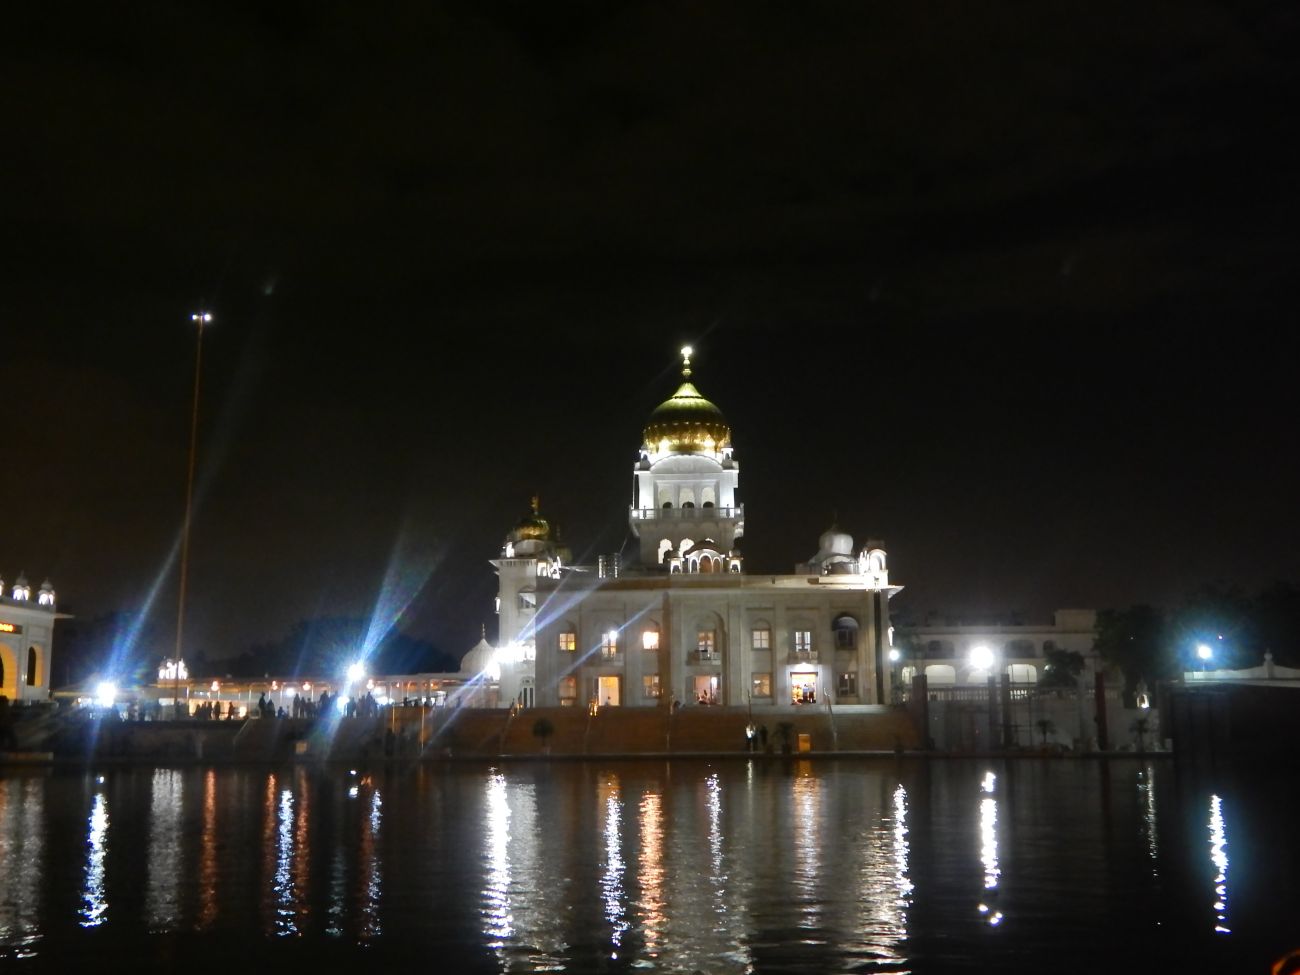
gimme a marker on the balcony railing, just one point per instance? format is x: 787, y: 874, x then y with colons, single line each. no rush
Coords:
x: 686, y: 514
x: 803, y: 656
x: 707, y: 656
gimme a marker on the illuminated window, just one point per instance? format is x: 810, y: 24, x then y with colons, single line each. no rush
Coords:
x: 568, y: 691
x: 609, y: 643
x: 848, y: 685
x: 568, y: 641
x: 762, y: 639
x: 650, y: 640
x: 761, y: 685
x: 803, y: 641
x: 705, y: 642
x: 650, y: 685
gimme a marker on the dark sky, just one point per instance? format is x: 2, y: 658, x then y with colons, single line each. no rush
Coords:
x: 1010, y: 288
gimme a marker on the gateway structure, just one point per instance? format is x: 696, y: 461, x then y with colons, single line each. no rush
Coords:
x: 684, y: 623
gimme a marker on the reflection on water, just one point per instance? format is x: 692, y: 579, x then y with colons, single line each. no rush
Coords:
x: 94, y: 900
x: 22, y: 856
x: 1147, y: 794
x: 161, y: 905
x: 1219, y: 857
x: 497, y: 920
x: 989, y: 848
x: 651, y: 906
x: 611, y: 882
x: 715, y: 867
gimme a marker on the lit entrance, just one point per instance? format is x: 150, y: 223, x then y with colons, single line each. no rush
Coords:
x: 607, y: 691
x: 706, y: 689
x: 803, y: 687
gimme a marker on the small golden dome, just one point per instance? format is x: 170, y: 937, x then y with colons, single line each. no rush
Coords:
x: 533, y: 525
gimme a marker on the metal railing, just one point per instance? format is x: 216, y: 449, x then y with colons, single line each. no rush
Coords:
x: 686, y: 514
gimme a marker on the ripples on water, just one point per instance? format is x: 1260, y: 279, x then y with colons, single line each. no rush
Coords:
x: 689, y: 866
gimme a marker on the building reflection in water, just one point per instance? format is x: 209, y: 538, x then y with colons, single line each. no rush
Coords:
x: 162, y: 907
x: 371, y: 868
x: 518, y: 902
x: 1219, y: 857
x: 1147, y: 795
x: 498, y: 923
x: 286, y: 921
x: 884, y: 881
x: 94, y: 901
x: 807, y: 845
x: 989, y: 848
x: 611, y: 881
x: 208, y: 854
x: 22, y: 858
x: 651, y: 907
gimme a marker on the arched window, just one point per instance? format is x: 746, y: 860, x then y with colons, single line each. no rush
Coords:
x: 846, y: 632
x: 31, y: 667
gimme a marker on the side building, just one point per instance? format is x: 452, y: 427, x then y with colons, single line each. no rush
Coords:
x: 684, y: 623
x: 26, y: 640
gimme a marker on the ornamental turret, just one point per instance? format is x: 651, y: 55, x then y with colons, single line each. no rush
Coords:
x: 684, y: 508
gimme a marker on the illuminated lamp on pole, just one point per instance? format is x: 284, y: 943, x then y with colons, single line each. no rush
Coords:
x: 1205, y: 652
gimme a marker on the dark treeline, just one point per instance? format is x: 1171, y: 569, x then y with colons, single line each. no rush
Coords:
x: 1150, y: 643
x: 118, y: 646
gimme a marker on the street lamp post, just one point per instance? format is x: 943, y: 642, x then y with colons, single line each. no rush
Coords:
x: 200, y: 319
x: 1205, y: 652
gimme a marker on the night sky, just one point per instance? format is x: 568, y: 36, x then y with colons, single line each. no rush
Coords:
x: 1010, y: 288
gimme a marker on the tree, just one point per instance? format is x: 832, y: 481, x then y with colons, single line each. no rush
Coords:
x: 1276, y: 616
x: 1046, y: 726
x: 1062, y: 668
x: 1221, y: 616
x: 1134, y: 640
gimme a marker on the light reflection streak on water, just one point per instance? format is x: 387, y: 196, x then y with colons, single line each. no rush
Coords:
x: 302, y: 851
x: 902, y: 877
x: 94, y: 903
x: 164, y: 863
x: 1147, y: 791
x: 1219, y: 857
x: 989, y: 847
x: 372, y: 874
x: 807, y: 866
x: 22, y: 813
x: 651, y: 905
x: 282, y: 883
x: 884, y: 885
x: 611, y: 883
x: 498, y: 924
x: 208, y: 854
x: 269, y: 855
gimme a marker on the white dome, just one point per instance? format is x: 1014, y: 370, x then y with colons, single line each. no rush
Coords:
x: 480, y: 658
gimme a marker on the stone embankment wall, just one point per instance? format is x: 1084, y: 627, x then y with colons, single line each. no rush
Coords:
x: 426, y: 733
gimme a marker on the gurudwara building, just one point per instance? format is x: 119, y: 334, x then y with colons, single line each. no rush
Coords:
x: 684, y: 622
x: 26, y: 637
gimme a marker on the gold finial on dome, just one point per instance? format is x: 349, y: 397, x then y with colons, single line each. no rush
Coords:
x: 536, y: 504
x: 687, y: 352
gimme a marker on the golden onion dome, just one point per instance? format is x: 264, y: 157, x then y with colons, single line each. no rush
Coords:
x: 686, y: 422
x: 533, y: 525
